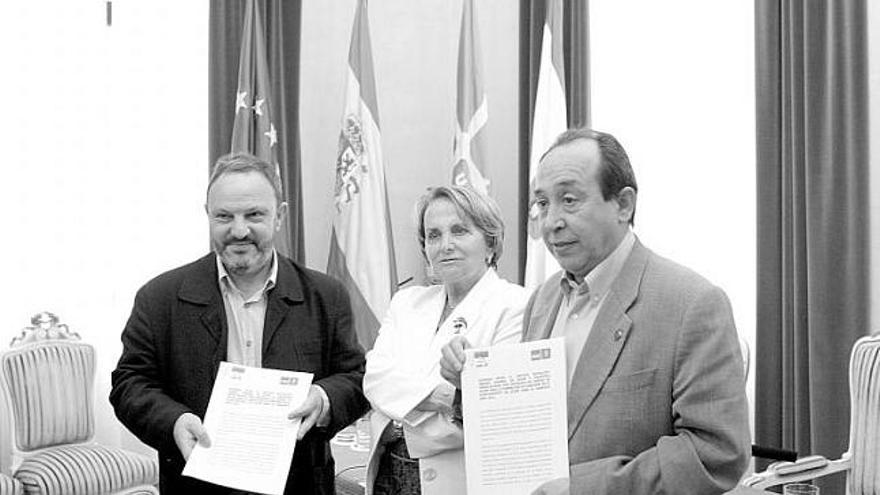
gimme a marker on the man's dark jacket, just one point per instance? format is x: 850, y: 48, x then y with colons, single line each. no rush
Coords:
x: 176, y: 337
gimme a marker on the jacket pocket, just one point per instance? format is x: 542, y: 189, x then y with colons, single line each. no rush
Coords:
x: 631, y: 382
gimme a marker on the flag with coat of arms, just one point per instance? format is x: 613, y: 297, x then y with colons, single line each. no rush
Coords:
x: 361, y: 248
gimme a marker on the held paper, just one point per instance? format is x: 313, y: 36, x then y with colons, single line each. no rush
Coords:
x: 252, y: 440
x: 515, y: 417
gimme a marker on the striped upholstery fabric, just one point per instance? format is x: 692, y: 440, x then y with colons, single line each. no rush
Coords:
x: 85, y: 469
x: 50, y: 387
x: 864, y: 432
x: 10, y: 486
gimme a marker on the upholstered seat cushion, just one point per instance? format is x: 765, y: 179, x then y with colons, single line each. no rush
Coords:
x: 88, y: 468
x: 10, y: 486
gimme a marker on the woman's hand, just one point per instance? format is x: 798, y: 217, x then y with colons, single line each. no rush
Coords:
x: 453, y: 359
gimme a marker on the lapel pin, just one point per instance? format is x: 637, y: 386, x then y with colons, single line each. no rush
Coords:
x: 459, y: 324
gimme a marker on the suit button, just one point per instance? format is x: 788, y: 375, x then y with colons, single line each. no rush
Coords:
x: 430, y: 474
x: 618, y: 334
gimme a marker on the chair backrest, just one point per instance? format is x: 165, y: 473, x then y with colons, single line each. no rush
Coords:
x: 864, y: 431
x: 48, y: 377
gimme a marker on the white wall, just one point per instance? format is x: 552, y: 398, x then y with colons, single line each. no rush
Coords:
x: 105, y: 144
x: 674, y: 82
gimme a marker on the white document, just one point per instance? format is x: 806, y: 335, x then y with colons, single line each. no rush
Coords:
x: 252, y: 440
x: 515, y: 417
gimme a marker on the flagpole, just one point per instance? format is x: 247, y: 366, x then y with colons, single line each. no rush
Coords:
x: 550, y: 120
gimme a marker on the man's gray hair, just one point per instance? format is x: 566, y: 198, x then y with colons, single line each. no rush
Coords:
x: 245, y: 162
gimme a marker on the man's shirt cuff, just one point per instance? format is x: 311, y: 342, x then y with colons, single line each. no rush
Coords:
x: 324, y: 417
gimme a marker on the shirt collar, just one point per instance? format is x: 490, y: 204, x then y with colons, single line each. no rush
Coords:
x: 226, y: 282
x: 600, y: 278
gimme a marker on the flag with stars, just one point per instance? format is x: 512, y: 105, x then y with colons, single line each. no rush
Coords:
x: 549, y: 122
x: 361, y: 248
x: 253, y: 130
x: 472, y: 108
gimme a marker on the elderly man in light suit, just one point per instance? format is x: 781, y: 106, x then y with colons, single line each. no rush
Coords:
x: 656, y: 400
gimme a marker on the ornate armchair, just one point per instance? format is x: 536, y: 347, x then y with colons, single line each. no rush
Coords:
x: 47, y: 377
x: 861, y: 461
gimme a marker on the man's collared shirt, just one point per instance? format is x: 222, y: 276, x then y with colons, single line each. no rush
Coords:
x: 245, y: 317
x: 582, y: 302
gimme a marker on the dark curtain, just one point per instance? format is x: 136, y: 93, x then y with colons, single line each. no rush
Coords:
x: 282, y: 21
x: 576, y: 53
x: 576, y: 42
x: 812, y: 189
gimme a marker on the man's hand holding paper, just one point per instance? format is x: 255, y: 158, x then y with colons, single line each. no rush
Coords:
x: 189, y: 431
x: 312, y: 411
x: 251, y: 427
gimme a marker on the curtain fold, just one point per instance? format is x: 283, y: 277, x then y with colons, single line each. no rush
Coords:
x: 282, y: 26
x: 576, y: 39
x: 813, y: 252
x: 576, y: 54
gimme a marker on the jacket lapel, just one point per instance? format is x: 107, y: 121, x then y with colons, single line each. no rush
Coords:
x: 469, y: 309
x: 288, y: 289
x: 544, y: 310
x: 606, y: 339
x: 202, y: 290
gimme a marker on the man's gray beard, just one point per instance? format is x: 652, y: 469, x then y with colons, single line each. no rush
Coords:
x: 238, y: 267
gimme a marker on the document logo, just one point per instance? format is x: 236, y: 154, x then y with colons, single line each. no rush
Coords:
x: 289, y: 380
x: 236, y: 373
x: 540, y: 354
x: 481, y: 359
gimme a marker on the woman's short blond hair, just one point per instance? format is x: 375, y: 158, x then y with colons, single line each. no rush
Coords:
x: 480, y: 209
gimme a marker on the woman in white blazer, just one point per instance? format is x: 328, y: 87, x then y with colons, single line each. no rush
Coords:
x: 417, y: 444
